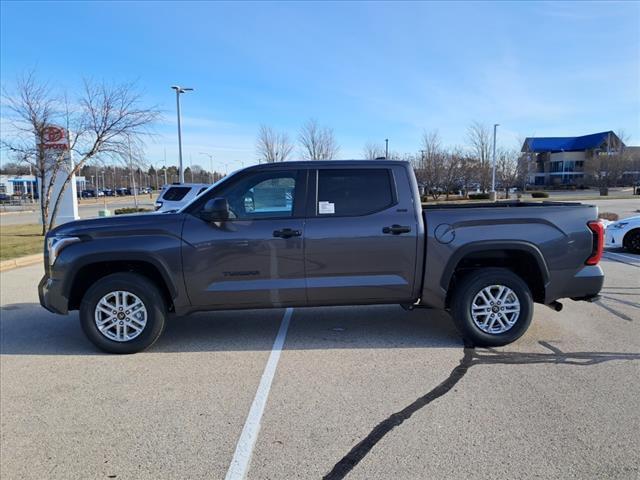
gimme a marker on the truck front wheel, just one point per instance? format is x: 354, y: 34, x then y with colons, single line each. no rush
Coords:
x: 123, y: 313
x: 492, y: 307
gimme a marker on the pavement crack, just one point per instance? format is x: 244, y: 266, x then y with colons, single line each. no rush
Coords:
x: 470, y: 358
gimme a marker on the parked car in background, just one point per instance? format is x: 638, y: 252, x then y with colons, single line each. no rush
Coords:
x: 624, y: 233
x: 4, y: 198
x: 176, y: 196
x: 100, y: 193
x: 108, y: 192
x: 122, y: 191
x: 88, y: 193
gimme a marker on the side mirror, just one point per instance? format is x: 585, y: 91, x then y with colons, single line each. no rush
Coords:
x: 216, y: 209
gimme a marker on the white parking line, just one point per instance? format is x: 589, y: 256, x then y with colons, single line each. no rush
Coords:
x: 242, y: 456
x: 636, y: 260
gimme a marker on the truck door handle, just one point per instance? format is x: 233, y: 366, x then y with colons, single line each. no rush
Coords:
x: 396, y: 229
x: 286, y: 233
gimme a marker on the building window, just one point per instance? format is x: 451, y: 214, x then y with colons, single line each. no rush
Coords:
x: 555, y: 167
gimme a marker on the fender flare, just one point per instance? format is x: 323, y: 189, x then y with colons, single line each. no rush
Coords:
x: 117, y: 256
x: 491, y: 245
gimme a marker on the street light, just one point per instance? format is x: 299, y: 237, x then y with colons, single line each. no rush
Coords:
x: 180, y: 90
x: 493, y: 175
x: 133, y: 177
x: 386, y: 149
x: 210, y: 164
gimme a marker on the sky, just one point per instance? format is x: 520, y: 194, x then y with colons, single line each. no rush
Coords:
x: 369, y: 71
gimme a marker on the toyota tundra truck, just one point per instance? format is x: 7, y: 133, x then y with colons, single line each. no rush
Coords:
x: 303, y: 234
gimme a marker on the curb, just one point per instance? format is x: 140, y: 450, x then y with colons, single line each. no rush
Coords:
x: 21, y: 262
x: 15, y: 212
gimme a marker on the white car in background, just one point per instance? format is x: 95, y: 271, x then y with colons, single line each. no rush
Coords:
x: 624, y: 233
x: 175, y: 196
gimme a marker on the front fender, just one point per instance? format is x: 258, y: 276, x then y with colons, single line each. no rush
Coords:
x: 162, y: 252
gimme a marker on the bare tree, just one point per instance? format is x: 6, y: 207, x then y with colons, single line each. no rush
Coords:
x: 433, y: 160
x: 431, y: 164
x: 316, y: 142
x: 107, y: 120
x: 508, y: 169
x: 272, y: 146
x: 372, y: 151
x: 32, y: 109
x: 479, y: 138
x: 607, y: 166
x: 468, y: 172
x: 452, y: 171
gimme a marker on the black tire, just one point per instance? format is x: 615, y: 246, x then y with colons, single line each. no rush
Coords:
x: 463, y: 298
x: 139, y: 286
x: 631, y: 241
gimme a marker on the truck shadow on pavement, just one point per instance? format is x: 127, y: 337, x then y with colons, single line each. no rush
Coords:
x: 609, y: 301
x: 471, y: 358
x: 28, y: 329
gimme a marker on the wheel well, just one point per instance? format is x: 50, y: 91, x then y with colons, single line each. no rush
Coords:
x: 628, y: 235
x: 519, y: 262
x: 91, y: 273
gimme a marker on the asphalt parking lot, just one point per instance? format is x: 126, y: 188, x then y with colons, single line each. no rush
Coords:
x: 356, y: 392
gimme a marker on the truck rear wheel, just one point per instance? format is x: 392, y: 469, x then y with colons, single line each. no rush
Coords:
x: 492, y: 307
x: 123, y: 313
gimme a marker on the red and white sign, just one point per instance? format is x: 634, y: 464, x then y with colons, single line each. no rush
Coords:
x: 55, y: 138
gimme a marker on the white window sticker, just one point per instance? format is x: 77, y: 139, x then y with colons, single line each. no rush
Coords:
x: 326, y: 208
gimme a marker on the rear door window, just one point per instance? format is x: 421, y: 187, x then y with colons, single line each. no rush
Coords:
x: 351, y: 192
x: 175, y: 194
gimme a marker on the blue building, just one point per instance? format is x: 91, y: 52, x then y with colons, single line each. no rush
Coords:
x: 20, y: 185
x: 565, y: 160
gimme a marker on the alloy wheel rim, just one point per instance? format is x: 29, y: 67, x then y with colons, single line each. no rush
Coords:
x: 120, y: 316
x: 495, y: 309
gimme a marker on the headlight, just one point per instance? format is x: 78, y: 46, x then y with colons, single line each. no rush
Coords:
x: 620, y: 225
x: 56, y: 244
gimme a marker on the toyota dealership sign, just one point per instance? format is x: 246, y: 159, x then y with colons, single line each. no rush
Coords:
x: 55, y: 138
x: 55, y: 143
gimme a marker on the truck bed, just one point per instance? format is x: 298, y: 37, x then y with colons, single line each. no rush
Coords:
x: 505, y: 204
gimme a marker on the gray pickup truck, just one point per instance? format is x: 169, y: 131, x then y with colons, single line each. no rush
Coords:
x: 300, y: 234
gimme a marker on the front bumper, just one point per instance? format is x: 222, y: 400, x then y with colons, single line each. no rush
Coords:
x: 51, y: 297
x: 613, y: 237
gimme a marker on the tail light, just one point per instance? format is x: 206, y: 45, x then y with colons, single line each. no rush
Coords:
x: 597, y: 229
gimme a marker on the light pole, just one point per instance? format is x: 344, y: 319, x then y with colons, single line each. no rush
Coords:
x: 180, y: 90
x: 386, y: 149
x: 133, y: 177
x: 210, y: 164
x: 493, y: 174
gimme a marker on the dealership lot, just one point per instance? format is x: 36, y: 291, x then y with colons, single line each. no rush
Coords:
x: 561, y: 402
